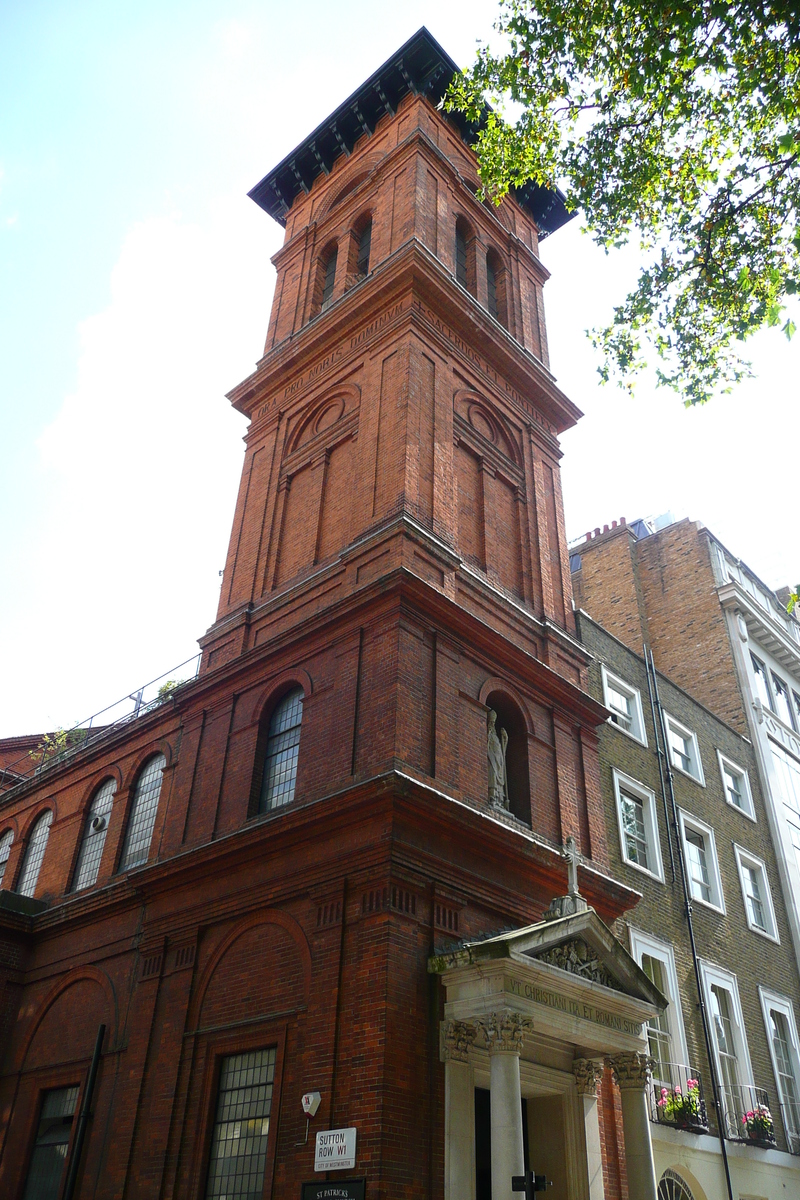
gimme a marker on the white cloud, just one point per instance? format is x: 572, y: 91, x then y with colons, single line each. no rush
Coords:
x: 138, y: 471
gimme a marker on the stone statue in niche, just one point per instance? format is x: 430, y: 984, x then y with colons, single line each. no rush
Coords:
x: 497, y: 744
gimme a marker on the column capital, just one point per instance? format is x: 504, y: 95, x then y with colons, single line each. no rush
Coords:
x: 631, y: 1070
x: 588, y: 1073
x: 456, y: 1039
x: 504, y: 1031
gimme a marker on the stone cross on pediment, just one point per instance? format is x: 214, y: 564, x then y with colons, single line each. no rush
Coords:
x: 571, y: 852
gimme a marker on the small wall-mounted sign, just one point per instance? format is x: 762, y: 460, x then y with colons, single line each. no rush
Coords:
x: 335, y: 1150
x: 348, y: 1189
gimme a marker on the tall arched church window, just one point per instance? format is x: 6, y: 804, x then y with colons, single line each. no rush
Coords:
x: 283, y: 745
x: 496, y: 288
x: 94, y: 836
x: 329, y: 278
x: 364, y: 243
x: 6, y: 840
x: 142, y: 817
x: 461, y: 254
x: 37, y: 844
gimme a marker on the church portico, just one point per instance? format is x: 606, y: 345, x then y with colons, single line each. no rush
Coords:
x: 532, y: 1017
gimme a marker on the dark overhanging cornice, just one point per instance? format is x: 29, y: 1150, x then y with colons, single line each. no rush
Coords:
x: 421, y: 66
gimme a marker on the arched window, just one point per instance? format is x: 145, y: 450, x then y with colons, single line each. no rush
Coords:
x: 37, y: 844
x: 282, y: 746
x: 5, y: 849
x: 143, y: 814
x: 362, y: 257
x: 673, y: 1187
x: 465, y: 255
x: 496, y: 287
x: 510, y: 719
x: 328, y: 278
x: 94, y: 836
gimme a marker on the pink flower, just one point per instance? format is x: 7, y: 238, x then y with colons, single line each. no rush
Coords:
x: 663, y: 1091
x: 677, y: 1091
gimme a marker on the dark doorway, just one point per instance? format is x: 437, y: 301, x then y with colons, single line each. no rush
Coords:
x: 483, y: 1142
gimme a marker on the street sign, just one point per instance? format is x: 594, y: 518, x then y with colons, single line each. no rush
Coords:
x: 335, y: 1150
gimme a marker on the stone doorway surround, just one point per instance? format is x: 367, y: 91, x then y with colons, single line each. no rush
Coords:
x: 537, y: 1012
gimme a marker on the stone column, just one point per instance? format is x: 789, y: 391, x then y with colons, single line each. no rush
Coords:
x: 588, y: 1075
x: 504, y: 1033
x: 459, y: 1111
x: 631, y: 1074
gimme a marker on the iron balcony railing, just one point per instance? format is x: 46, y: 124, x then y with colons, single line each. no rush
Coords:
x: 747, y: 1114
x: 676, y: 1097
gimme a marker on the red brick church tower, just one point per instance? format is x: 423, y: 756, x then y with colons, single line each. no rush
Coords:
x: 389, y: 742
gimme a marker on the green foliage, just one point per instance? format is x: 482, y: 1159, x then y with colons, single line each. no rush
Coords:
x: 794, y: 599
x: 166, y: 690
x: 672, y: 122
x: 55, y: 745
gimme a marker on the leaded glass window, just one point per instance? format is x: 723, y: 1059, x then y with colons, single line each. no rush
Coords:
x: 283, y: 745
x: 6, y: 841
x: 49, y: 1155
x: 94, y: 836
x: 37, y: 844
x: 241, y: 1128
x: 142, y: 817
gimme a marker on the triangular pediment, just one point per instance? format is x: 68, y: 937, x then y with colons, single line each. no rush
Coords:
x: 580, y: 946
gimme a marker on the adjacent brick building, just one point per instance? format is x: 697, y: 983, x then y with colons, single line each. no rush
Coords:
x: 291, y: 875
x: 740, y: 923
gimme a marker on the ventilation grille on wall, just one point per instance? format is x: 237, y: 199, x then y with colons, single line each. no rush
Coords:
x: 329, y: 914
x: 184, y: 957
x: 151, y: 965
x: 447, y: 918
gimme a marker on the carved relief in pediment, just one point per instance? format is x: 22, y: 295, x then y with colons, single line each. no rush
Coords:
x: 578, y: 958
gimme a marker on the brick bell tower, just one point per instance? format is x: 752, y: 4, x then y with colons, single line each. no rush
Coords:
x: 398, y: 561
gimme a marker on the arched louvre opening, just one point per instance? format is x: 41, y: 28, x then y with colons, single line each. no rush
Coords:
x: 364, y: 245
x: 142, y: 817
x: 34, y: 855
x: 329, y: 278
x: 281, y: 753
x: 94, y: 836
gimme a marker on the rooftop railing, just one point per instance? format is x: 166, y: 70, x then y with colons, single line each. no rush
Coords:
x: 55, y: 748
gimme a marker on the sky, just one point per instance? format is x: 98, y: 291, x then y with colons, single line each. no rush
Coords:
x: 135, y: 287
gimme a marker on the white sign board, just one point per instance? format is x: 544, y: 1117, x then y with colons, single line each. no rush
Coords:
x: 335, y: 1150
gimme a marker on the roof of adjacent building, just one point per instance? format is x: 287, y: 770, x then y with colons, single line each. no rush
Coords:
x: 420, y: 66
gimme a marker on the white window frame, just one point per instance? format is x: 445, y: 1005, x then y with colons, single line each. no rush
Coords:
x: 637, y: 730
x: 694, y: 750
x: 710, y: 974
x: 645, y: 943
x: 717, y: 903
x: 782, y: 1004
x: 745, y: 859
x: 747, y: 795
x: 648, y: 802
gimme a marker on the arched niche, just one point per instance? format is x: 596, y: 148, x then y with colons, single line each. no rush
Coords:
x: 512, y: 719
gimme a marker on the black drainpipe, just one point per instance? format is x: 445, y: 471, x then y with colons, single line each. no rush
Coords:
x: 83, y: 1117
x: 661, y: 730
